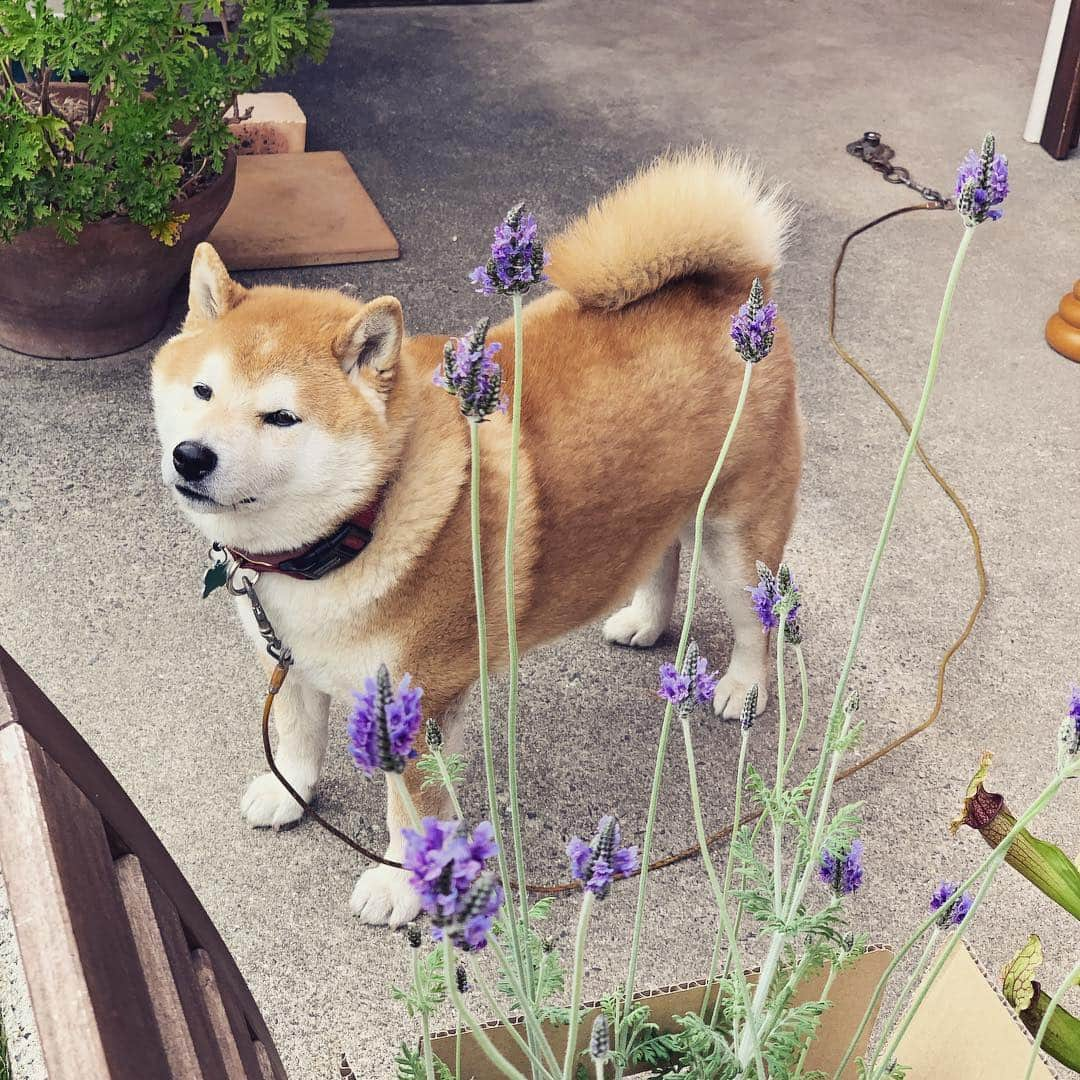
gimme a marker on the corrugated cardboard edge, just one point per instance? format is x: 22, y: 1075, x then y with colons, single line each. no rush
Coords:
x: 922, y: 1029
x: 995, y: 985
x: 868, y: 968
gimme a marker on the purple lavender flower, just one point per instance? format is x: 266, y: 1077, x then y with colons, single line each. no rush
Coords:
x: 767, y: 594
x: 956, y: 912
x: 982, y: 182
x: 754, y: 327
x: 842, y: 871
x: 596, y: 863
x: 674, y: 686
x: 469, y: 372
x: 703, y: 682
x: 469, y: 927
x: 444, y: 862
x: 694, y: 685
x: 1070, y: 730
x: 517, y: 257
x: 383, y: 723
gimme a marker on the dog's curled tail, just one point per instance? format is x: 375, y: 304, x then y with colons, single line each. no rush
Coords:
x: 689, y: 212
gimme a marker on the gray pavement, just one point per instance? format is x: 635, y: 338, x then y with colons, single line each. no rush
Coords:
x: 449, y: 115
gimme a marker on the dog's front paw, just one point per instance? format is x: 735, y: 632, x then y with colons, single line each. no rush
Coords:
x: 731, y: 691
x: 634, y: 626
x: 384, y: 897
x: 266, y: 804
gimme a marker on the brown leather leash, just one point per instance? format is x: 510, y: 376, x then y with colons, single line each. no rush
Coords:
x: 879, y: 156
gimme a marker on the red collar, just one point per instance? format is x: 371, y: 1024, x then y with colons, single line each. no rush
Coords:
x: 313, y: 561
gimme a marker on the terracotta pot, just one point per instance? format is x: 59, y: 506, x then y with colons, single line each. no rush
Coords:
x: 106, y: 293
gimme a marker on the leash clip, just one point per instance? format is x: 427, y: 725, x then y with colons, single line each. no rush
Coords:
x: 879, y: 156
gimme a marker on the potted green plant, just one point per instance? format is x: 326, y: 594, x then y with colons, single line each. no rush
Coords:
x: 115, y: 155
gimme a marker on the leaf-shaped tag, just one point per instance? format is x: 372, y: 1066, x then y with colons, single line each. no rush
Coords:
x: 214, y: 578
x: 1019, y: 974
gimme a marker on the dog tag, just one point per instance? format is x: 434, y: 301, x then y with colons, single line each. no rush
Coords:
x: 214, y: 578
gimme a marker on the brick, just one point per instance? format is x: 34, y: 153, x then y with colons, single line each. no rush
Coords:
x: 277, y: 124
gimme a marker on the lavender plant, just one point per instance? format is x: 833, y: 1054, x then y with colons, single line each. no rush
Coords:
x: 791, y: 869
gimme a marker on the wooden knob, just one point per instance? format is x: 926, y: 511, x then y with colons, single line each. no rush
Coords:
x: 1063, y: 329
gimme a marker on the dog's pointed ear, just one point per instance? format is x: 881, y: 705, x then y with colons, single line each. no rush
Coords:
x: 211, y: 291
x: 370, y: 342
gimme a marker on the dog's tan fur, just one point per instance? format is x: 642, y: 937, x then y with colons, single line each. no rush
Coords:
x: 631, y: 383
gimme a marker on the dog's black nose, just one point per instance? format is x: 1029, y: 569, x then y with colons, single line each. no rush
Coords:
x: 193, y: 460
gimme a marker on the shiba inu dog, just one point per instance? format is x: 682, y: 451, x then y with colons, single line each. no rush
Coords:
x: 302, y: 428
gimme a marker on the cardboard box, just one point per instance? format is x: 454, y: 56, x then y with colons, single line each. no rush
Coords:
x: 964, y: 1030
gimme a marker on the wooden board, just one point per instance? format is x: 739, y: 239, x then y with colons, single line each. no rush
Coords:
x: 88, y: 992
x: 105, y: 922
x: 300, y: 210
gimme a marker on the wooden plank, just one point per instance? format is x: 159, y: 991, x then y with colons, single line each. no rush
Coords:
x: 178, y: 951
x: 1062, y: 124
x: 300, y: 210
x: 87, y: 990
x: 23, y: 703
x: 236, y: 1044
x: 265, y: 1068
x: 46, y: 941
x: 165, y: 1000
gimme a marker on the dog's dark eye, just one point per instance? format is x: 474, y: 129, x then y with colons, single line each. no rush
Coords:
x: 281, y: 418
x: 203, y: 392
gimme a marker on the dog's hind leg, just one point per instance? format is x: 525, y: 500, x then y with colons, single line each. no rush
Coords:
x: 300, y: 718
x: 647, y: 615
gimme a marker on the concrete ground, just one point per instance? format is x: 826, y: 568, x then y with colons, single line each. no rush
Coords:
x: 449, y: 115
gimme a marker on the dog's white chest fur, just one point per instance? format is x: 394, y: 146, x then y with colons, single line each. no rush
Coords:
x: 332, y: 638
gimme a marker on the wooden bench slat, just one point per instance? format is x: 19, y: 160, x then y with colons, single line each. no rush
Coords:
x: 230, y: 1031
x: 23, y: 705
x: 183, y: 970
x: 90, y: 999
x: 46, y: 943
x: 266, y: 1070
x: 174, y: 1020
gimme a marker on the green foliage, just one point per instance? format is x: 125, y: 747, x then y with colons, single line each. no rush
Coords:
x: 428, y: 989
x: 5, y: 1059
x: 549, y: 976
x: 635, y: 1031
x: 894, y: 1071
x: 454, y: 764
x: 149, y: 125
x: 409, y: 1065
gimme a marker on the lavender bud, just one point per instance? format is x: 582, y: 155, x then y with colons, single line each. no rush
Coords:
x: 433, y: 734
x: 691, y: 658
x: 749, y: 708
x: 600, y: 1041
x: 384, y: 694
x: 462, y: 977
x: 412, y: 936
